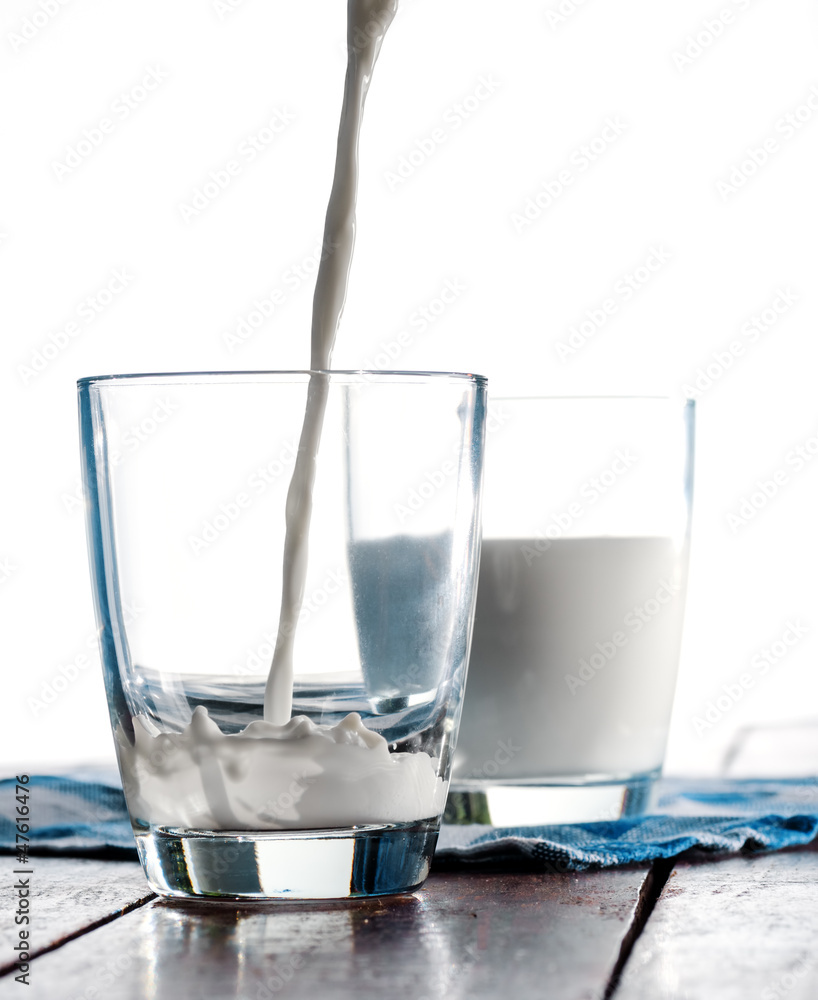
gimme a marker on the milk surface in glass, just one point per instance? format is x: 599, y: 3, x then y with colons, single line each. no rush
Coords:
x: 579, y: 608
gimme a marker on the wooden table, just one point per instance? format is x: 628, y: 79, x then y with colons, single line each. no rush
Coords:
x: 743, y: 927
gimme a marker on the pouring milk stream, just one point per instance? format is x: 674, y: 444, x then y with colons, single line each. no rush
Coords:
x: 367, y: 23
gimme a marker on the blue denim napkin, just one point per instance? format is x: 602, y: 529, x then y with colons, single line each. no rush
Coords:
x: 85, y: 815
x: 711, y: 815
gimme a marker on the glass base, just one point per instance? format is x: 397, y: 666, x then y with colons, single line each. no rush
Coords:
x: 289, y: 864
x: 525, y: 804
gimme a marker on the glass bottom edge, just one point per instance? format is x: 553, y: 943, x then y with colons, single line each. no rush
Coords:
x: 549, y: 803
x: 248, y: 866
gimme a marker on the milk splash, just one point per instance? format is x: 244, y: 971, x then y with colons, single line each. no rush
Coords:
x: 269, y: 777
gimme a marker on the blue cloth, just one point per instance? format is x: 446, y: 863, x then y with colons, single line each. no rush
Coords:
x: 87, y: 816
x: 69, y: 815
x: 720, y: 816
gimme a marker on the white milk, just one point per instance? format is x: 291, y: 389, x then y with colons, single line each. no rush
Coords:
x: 573, y: 661
x: 299, y: 776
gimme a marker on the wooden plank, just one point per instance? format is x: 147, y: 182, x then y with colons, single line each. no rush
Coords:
x: 732, y: 929
x: 463, y: 935
x: 66, y: 895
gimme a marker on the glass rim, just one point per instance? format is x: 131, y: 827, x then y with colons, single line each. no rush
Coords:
x: 680, y: 400
x: 215, y: 377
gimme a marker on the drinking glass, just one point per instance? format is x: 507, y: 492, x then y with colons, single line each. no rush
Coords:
x: 187, y: 477
x: 580, y: 603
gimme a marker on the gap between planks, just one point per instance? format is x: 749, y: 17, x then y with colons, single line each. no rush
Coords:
x: 649, y: 894
x: 94, y: 925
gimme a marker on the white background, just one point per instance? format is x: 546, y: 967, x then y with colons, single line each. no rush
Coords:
x: 224, y: 74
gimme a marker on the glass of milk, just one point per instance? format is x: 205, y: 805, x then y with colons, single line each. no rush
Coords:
x: 580, y: 603
x: 188, y: 478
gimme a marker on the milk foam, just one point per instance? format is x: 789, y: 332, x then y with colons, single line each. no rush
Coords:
x: 268, y: 777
